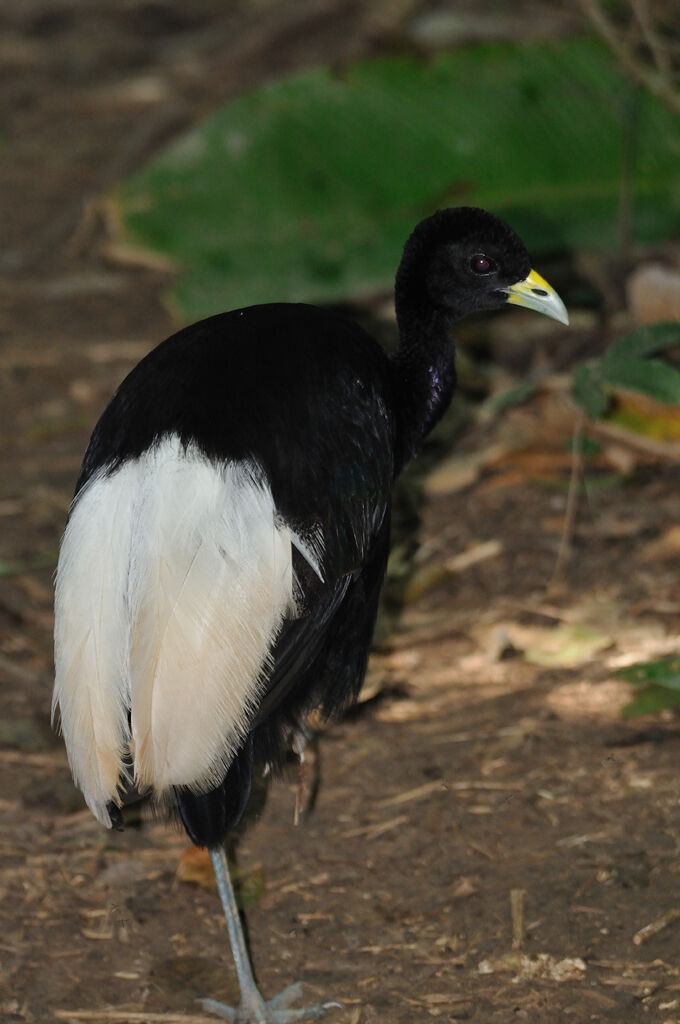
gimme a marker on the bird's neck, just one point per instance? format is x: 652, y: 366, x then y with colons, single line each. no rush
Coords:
x: 424, y: 374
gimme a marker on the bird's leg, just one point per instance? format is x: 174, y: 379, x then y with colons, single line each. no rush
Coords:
x: 253, y: 1009
x: 302, y: 790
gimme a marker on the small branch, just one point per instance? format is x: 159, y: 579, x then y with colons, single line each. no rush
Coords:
x: 656, y: 82
x: 657, y: 49
x: 25, y: 757
x: 652, y: 929
x: 517, y: 901
x: 127, y: 1017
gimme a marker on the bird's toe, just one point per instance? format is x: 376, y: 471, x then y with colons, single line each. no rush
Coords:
x: 286, y: 997
x: 219, y: 1009
x: 275, y: 1011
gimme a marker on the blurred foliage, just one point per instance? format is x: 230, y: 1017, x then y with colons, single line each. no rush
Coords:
x: 586, y: 447
x: 497, y: 404
x: 16, y: 567
x: 306, y: 188
x: 656, y: 684
x: 628, y: 365
x: 605, y: 388
x: 644, y: 35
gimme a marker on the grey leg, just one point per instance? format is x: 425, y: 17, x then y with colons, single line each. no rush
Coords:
x: 253, y: 1009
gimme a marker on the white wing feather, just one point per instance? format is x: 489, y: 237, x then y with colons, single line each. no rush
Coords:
x: 174, y: 579
x: 91, y: 686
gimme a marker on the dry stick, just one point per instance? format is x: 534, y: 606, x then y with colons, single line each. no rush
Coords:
x: 658, y: 84
x: 572, y: 502
x: 517, y: 900
x: 125, y: 1017
x: 460, y: 785
x: 654, y: 927
x: 24, y: 757
x: 375, y: 831
x: 413, y: 794
x: 656, y: 47
x: 635, y: 965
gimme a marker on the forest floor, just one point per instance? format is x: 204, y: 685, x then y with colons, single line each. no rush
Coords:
x: 490, y: 840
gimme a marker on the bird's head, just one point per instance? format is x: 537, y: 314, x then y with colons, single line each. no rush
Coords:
x: 464, y: 260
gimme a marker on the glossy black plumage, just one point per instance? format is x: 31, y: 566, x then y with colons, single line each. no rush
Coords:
x: 317, y: 403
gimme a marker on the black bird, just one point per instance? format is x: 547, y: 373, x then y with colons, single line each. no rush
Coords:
x: 221, y: 566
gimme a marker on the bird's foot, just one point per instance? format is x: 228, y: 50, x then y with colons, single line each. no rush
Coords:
x: 276, y: 1011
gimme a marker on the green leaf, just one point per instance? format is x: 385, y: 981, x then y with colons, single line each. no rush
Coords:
x: 623, y: 365
x: 587, y: 392
x: 509, y: 398
x: 652, y: 699
x: 644, y: 341
x: 250, y: 888
x: 651, y: 377
x: 307, y: 188
x: 657, y: 684
x: 664, y: 672
x: 586, y: 446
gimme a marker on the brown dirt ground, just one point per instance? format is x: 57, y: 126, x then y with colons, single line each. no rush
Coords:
x: 488, y: 770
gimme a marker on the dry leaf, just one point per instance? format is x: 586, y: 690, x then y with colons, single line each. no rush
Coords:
x: 664, y: 547
x: 194, y: 865
x: 643, y: 415
x: 622, y: 460
x: 570, y: 644
x: 460, y: 471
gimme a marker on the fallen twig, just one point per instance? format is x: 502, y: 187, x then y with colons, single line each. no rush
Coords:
x: 654, y: 927
x: 413, y: 794
x: 128, y: 1017
x: 517, y: 901
x: 377, y: 829
x: 24, y: 757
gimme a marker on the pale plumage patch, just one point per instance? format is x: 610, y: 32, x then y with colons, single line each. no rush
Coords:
x: 174, y: 578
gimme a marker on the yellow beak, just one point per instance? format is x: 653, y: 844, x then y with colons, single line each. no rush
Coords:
x: 535, y: 293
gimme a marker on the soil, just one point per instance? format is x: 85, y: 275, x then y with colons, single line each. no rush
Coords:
x: 489, y: 840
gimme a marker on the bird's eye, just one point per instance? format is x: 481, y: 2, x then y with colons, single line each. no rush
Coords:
x: 482, y: 264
